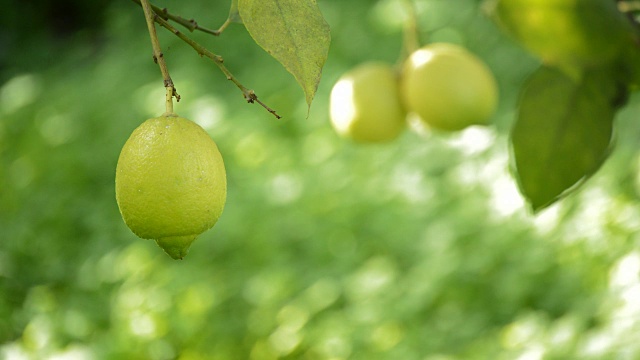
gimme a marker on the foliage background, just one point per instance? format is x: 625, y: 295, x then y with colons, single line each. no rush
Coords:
x: 420, y: 249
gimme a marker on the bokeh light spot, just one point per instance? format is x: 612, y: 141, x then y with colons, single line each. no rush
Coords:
x: 285, y: 188
x: 387, y: 335
x: 208, y: 111
x: 22, y: 172
x: 58, y: 129
x: 251, y: 151
x: 372, y: 278
x: 284, y: 340
x: 321, y: 294
x: 19, y: 91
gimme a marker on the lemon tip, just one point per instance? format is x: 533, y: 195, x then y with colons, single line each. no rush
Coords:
x: 176, y: 246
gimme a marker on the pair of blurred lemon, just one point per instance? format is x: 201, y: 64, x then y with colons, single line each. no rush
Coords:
x: 448, y: 87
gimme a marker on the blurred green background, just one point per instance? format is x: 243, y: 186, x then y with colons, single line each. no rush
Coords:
x: 420, y: 249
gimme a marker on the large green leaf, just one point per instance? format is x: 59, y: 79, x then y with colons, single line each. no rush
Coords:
x: 563, y: 132
x: 294, y: 32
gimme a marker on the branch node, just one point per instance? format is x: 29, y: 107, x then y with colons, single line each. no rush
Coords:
x: 251, y: 96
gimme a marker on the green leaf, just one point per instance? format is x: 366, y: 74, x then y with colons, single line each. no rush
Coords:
x: 294, y: 33
x: 234, y: 14
x: 629, y: 68
x: 563, y: 132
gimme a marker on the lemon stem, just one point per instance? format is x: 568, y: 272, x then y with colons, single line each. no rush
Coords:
x: 158, y: 56
x: 169, y: 101
x: 411, y: 37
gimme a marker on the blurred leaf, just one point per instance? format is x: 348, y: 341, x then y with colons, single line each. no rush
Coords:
x: 566, y: 33
x: 234, y: 14
x: 294, y: 32
x: 630, y: 67
x: 563, y: 132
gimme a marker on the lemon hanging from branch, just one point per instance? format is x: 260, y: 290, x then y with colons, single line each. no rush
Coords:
x: 170, y: 182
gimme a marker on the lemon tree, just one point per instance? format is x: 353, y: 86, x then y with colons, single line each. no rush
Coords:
x: 448, y: 87
x: 563, y: 131
x: 170, y: 182
x: 365, y: 104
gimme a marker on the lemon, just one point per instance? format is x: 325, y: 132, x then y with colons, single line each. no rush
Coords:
x: 365, y: 104
x: 170, y: 182
x: 448, y: 87
x: 566, y: 33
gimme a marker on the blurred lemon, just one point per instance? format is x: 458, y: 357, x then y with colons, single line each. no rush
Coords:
x: 170, y: 182
x: 565, y: 33
x: 448, y: 87
x: 365, y: 104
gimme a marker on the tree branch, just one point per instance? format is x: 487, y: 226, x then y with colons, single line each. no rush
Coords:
x: 190, y: 24
x: 249, y: 95
x: 158, y: 56
x: 160, y: 16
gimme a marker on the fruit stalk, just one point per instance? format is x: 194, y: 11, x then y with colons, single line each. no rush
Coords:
x: 158, y: 56
x: 169, y: 101
x: 410, y: 36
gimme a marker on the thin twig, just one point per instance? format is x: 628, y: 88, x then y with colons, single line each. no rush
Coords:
x: 158, y: 56
x: 249, y: 95
x: 190, y: 24
x: 224, y: 26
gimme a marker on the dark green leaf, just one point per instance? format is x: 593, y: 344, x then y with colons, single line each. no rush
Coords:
x: 563, y: 132
x: 294, y: 32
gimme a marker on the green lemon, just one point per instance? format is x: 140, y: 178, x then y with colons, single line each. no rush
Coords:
x: 365, y: 104
x: 170, y: 182
x: 566, y: 33
x: 448, y: 87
